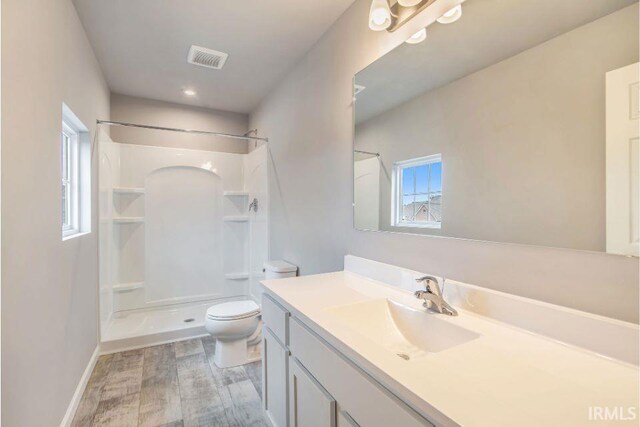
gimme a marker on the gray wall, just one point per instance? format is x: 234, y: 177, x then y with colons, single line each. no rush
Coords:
x: 158, y: 113
x: 308, y: 118
x: 515, y: 169
x: 49, y: 287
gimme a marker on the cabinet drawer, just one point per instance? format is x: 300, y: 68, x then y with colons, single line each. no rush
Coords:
x: 366, y: 401
x: 276, y: 318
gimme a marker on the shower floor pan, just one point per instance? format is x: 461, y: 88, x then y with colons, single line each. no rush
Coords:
x: 142, y: 328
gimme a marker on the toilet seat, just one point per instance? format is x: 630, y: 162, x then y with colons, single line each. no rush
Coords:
x: 233, y: 324
x: 233, y: 310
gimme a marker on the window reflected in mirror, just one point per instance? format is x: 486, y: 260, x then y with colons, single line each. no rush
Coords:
x: 418, y: 192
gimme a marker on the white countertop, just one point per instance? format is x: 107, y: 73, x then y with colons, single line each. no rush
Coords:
x: 506, y: 377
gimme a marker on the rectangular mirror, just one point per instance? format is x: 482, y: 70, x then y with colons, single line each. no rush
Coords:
x: 517, y: 123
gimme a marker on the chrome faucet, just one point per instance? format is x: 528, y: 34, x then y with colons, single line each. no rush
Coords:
x: 432, y: 296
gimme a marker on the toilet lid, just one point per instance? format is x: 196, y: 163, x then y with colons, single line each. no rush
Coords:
x: 233, y: 310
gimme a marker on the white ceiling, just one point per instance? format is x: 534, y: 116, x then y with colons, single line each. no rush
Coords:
x: 142, y: 45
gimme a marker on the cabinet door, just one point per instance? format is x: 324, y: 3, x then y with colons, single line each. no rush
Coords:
x: 275, y: 361
x: 345, y: 420
x: 310, y: 404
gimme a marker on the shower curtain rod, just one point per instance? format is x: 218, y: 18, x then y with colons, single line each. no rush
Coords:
x: 368, y: 152
x: 200, y: 132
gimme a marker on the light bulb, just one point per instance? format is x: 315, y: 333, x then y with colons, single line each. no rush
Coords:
x: 451, y: 15
x: 418, y: 37
x: 189, y: 92
x: 408, y: 3
x: 379, y: 15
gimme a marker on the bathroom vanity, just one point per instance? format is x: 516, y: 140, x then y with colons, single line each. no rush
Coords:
x: 356, y: 348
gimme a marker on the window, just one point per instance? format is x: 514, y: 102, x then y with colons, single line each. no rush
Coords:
x: 75, y: 176
x: 417, y: 192
x: 69, y: 163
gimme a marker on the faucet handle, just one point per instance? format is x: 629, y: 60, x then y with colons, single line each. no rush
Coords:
x: 427, y: 280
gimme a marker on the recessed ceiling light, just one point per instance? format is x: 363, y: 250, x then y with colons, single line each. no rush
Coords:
x: 418, y: 37
x: 452, y: 15
x: 189, y: 92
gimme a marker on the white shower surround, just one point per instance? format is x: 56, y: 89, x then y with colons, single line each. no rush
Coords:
x: 183, y: 233
x: 135, y: 278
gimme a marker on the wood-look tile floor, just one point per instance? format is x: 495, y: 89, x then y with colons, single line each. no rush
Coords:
x: 174, y: 384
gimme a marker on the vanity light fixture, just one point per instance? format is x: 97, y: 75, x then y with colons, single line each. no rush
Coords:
x: 189, y: 92
x: 408, y: 3
x: 392, y: 14
x: 379, y: 15
x: 452, y: 15
x: 418, y: 37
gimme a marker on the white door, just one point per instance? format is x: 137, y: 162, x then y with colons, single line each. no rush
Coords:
x: 623, y: 188
x: 366, y: 194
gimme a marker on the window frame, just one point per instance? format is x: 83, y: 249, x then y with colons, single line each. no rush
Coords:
x: 75, y: 176
x: 397, y: 207
x: 69, y: 170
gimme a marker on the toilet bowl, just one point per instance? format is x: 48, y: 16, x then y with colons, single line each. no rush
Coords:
x: 233, y: 325
x: 236, y: 325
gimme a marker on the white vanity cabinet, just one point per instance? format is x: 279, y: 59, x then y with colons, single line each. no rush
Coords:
x: 315, y: 385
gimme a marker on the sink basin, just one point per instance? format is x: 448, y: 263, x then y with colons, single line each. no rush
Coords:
x: 407, y: 332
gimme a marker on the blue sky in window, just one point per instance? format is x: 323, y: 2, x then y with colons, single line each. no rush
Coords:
x: 407, y: 180
x: 436, y: 177
x: 422, y: 177
x: 428, y: 178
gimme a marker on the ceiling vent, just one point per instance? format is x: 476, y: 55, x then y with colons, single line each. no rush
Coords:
x: 206, y: 57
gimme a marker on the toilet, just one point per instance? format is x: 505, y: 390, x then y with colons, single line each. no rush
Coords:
x: 236, y: 325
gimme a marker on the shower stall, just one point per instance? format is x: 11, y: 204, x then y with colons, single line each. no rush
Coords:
x: 180, y: 229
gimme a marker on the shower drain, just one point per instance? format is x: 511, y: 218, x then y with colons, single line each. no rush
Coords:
x: 403, y: 356
x: 191, y: 319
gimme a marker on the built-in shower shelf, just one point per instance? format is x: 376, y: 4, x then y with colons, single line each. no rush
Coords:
x: 236, y: 276
x: 128, y: 190
x: 127, y: 287
x: 236, y: 193
x: 129, y: 220
x: 236, y: 218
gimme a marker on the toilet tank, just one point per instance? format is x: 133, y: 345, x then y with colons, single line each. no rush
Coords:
x: 279, y: 269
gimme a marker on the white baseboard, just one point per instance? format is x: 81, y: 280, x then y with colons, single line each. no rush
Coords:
x: 77, y: 395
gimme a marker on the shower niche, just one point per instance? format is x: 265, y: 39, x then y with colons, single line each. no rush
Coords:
x: 176, y: 234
